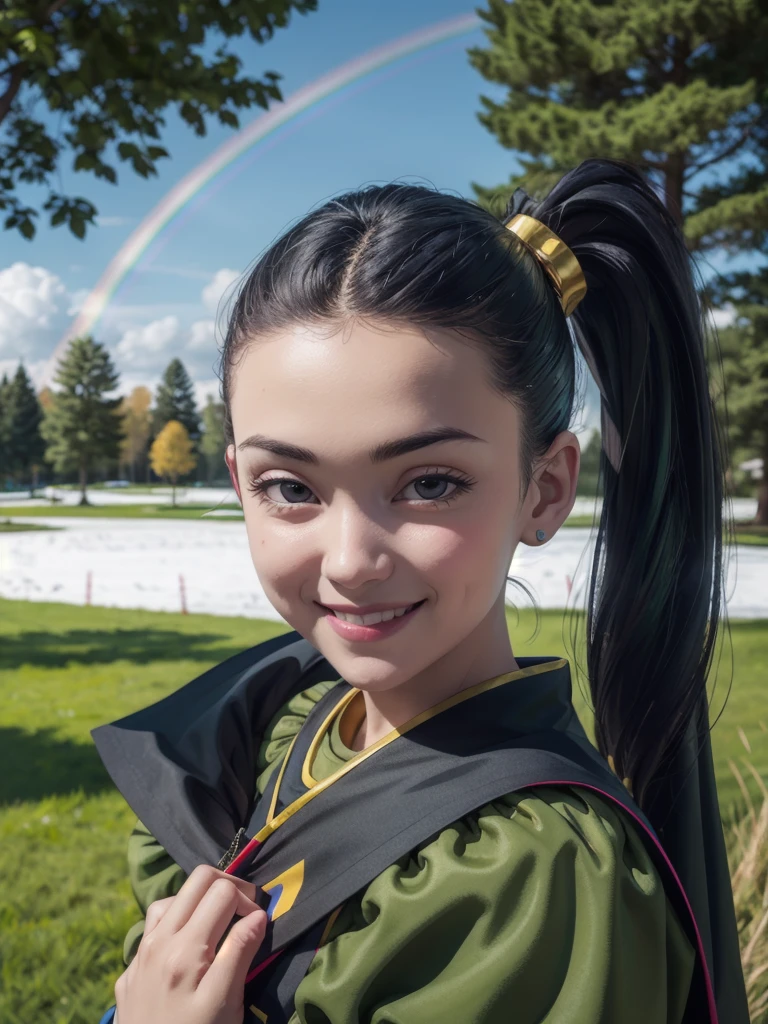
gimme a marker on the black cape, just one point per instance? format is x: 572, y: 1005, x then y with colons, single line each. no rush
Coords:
x: 186, y: 766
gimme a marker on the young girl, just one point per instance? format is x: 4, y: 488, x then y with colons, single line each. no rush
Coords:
x: 418, y: 810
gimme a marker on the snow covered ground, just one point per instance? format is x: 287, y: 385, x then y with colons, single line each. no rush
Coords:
x: 137, y: 564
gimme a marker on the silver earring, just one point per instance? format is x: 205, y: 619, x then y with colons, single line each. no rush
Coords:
x: 540, y: 535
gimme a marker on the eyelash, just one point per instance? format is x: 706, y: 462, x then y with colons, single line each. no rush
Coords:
x: 260, y: 487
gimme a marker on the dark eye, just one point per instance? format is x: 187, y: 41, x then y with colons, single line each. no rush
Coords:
x: 261, y: 488
x: 289, y: 488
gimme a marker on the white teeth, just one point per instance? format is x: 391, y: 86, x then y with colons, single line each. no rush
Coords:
x: 368, y: 620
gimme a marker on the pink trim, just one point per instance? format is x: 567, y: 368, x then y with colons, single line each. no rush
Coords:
x: 260, y: 968
x: 246, y: 850
x: 560, y: 782
x: 710, y: 990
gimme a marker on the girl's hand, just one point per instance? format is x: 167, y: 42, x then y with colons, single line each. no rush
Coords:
x: 177, y: 973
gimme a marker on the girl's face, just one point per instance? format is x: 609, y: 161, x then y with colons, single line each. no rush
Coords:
x: 340, y: 528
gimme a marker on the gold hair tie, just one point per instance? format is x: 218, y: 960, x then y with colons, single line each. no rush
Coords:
x: 556, y: 258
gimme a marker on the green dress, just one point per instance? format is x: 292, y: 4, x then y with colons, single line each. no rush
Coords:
x: 538, y: 907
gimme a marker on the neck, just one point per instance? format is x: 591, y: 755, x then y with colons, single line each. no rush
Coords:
x: 389, y: 709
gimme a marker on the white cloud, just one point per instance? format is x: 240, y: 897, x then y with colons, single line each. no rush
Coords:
x: 202, y: 336
x: 146, y: 346
x: 76, y: 301
x: 724, y: 317
x: 35, y: 370
x: 203, y: 388
x: 33, y: 311
x: 217, y: 288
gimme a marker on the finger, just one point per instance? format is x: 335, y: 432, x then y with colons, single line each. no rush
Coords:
x: 156, y: 912
x: 225, y: 978
x: 193, y: 890
x: 214, y: 914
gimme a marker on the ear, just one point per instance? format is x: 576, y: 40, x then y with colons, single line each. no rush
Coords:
x: 229, y: 458
x: 553, y: 489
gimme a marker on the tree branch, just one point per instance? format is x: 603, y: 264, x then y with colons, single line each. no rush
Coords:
x: 17, y: 76
x: 744, y: 135
x: 17, y: 71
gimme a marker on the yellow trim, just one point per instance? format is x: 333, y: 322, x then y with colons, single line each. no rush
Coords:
x: 258, y: 1013
x: 306, y: 778
x: 329, y: 925
x: 291, y: 880
x: 457, y: 698
x: 273, y: 802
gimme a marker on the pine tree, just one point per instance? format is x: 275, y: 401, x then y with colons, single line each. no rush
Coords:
x: 175, y: 400
x: 744, y: 381
x: 670, y: 88
x: 26, y: 415
x: 589, y: 469
x: 673, y: 88
x: 213, y: 444
x: 6, y: 460
x: 82, y: 426
x: 171, y: 454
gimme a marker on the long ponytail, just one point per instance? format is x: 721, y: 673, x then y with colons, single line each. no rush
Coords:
x: 655, y: 594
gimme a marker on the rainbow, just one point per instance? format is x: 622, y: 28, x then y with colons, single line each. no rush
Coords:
x: 171, y: 205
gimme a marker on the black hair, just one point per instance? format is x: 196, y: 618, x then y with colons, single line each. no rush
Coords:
x: 409, y: 254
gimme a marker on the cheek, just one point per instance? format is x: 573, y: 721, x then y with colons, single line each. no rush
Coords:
x: 460, y: 560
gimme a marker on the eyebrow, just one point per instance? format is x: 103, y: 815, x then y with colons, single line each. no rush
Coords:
x: 379, y: 453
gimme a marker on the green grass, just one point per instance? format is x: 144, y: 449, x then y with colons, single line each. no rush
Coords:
x: 8, y: 527
x: 745, y: 532
x: 65, y: 901
x: 121, y: 511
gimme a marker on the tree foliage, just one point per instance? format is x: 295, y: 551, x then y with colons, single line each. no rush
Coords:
x: 137, y: 426
x: 175, y: 400
x: 82, y: 426
x: 94, y: 79
x: 171, y: 454
x: 213, y: 442
x: 743, y: 384
x: 677, y: 89
x: 674, y: 88
x: 5, y: 428
x: 588, y: 482
x: 21, y: 444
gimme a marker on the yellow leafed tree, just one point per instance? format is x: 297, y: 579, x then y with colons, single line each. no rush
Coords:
x: 136, y: 427
x: 171, y: 454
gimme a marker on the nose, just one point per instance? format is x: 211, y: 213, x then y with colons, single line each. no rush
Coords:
x: 356, y: 548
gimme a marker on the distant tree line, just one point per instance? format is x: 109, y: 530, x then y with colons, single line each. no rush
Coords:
x: 77, y: 433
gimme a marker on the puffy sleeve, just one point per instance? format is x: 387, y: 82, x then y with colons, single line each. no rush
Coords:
x: 153, y: 874
x: 536, y: 907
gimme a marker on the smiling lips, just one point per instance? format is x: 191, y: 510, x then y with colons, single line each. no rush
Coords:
x: 371, y: 618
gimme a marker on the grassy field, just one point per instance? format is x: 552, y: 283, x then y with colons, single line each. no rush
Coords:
x: 65, y: 901
x: 119, y: 511
x: 8, y: 527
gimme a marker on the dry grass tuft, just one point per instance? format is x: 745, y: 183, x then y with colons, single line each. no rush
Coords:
x: 748, y: 860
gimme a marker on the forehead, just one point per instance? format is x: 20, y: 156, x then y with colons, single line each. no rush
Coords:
x: 362, y: 370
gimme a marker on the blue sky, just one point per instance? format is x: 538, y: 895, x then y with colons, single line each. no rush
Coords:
x: 415, y: 121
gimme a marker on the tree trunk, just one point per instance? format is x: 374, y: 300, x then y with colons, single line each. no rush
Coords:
x: 673, y: 186
x: 83, y: 482
x: 173, y: 493
x: 761, y: 518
